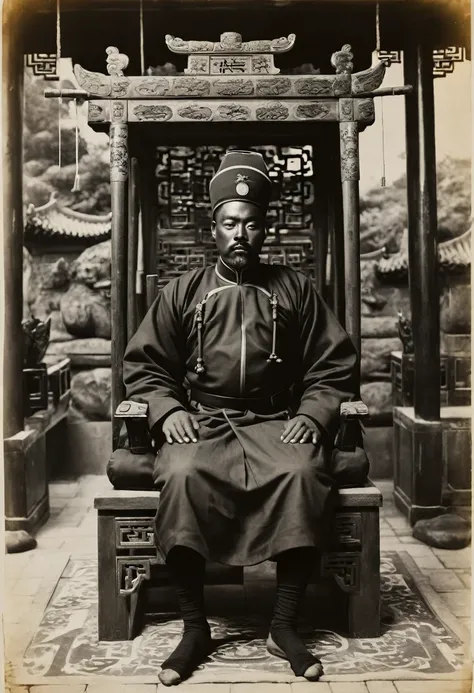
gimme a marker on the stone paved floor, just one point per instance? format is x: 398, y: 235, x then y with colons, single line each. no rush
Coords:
x: 71, y: 532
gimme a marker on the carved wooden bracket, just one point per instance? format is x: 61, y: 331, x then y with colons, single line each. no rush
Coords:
x: 134, y: 533
x: 344, y: 566
x: 131, y: 572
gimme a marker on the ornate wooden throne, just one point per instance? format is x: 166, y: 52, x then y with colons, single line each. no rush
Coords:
x: 230, y: 92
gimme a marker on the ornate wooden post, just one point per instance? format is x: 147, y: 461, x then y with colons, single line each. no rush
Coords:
x: 336, y: 234
x: 320, y: 215
x: 418, y: 435
x: 132, y: 251
x: 349, y: 135
x: 118, y: 190
x: 422, y: 228
x: 12, y: 147
x: 149, y: 202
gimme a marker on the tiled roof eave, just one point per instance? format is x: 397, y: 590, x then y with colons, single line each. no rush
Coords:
x: 454, y: 256
x: 52, y: 219
x: 36, y: 229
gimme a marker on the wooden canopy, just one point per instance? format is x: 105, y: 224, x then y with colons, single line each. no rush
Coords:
x: 89, y: 26
x: 227, y: 82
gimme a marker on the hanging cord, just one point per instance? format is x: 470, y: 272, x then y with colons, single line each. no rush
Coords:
x: 60, y: 103
x: 77, y: 179
x: 383, y: 179
x: 58, y: 72
x: 142, y: 40
x: 377, y: 28
x: 199, y: 367
x: 140, y: 258
x: 378, y: 49
x: 274, y: 305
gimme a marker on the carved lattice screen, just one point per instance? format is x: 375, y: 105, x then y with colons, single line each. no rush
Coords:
x: 183, y: 177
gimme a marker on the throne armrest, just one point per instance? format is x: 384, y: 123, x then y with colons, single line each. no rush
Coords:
x: 135, y: 417
x: 352, y: 415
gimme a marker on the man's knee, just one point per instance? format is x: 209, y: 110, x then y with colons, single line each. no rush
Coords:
x: 299, y: 463
x: 180, y: 469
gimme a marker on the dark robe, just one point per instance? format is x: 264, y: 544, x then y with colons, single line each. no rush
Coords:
x: 240, y: 495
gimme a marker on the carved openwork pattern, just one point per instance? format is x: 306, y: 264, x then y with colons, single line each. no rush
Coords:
x: 134, y: 533
x: 184, y: 174
x: 444, y: 60
x: 347, y: 529
x: 129, y: 568
x: 184, y: 240
x: 390, y: 57
x: 43, y: 65
x: 345, y: 568
x: 178, y: 256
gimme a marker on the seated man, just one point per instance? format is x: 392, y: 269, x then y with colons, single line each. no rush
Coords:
x: 243, y: 368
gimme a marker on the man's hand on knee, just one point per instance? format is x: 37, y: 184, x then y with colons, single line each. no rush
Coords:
x: 301, y: 429
x: 181, y: 427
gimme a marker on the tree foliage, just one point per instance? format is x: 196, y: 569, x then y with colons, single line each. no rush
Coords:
x: 384, y: 210
x: 41, y: 172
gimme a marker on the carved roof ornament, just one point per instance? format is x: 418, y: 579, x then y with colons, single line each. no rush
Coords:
x: 116, y: 62
x: 230, y: 42
x: 342, y: 60
x: 231, y: 55
x: 238, y: 75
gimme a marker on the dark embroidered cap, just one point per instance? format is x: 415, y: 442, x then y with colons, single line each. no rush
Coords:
x: 242, y: 175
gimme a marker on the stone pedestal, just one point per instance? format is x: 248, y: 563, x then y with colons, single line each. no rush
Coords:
x: 432, y: 462
x: 26, y: 481
x: 26, y: 467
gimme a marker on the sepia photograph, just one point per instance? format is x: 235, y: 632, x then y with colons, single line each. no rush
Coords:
x: 236, y: 346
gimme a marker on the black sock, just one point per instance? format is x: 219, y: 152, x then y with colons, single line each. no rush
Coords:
x: 294, y: 569
x: 187, y: 568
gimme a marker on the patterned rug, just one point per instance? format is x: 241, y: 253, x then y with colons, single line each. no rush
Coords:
x: 413, y: 639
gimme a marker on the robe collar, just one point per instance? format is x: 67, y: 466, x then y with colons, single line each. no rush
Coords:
x: 232, y: 276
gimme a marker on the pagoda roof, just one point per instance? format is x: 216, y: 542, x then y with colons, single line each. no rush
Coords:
x: 454, y: 255
x: 52, y: 220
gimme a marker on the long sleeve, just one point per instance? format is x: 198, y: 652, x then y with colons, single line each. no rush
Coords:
x: 154, y: 361
x: 328, y: 362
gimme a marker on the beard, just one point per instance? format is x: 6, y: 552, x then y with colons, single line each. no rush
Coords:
x: 241, y: 260
x: 238, y: 261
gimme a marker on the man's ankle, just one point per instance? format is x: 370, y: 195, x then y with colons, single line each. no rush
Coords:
x: 201, y: 626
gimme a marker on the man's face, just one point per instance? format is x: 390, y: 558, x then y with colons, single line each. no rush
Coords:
x: 239, y: 232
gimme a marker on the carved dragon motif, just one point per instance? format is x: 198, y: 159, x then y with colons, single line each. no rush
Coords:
x: 368, y: 80
x: 116, y: 62
x: 94, y: 83
x: 342, y: 60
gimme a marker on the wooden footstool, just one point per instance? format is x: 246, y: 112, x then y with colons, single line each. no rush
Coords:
x: 127, y: 555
